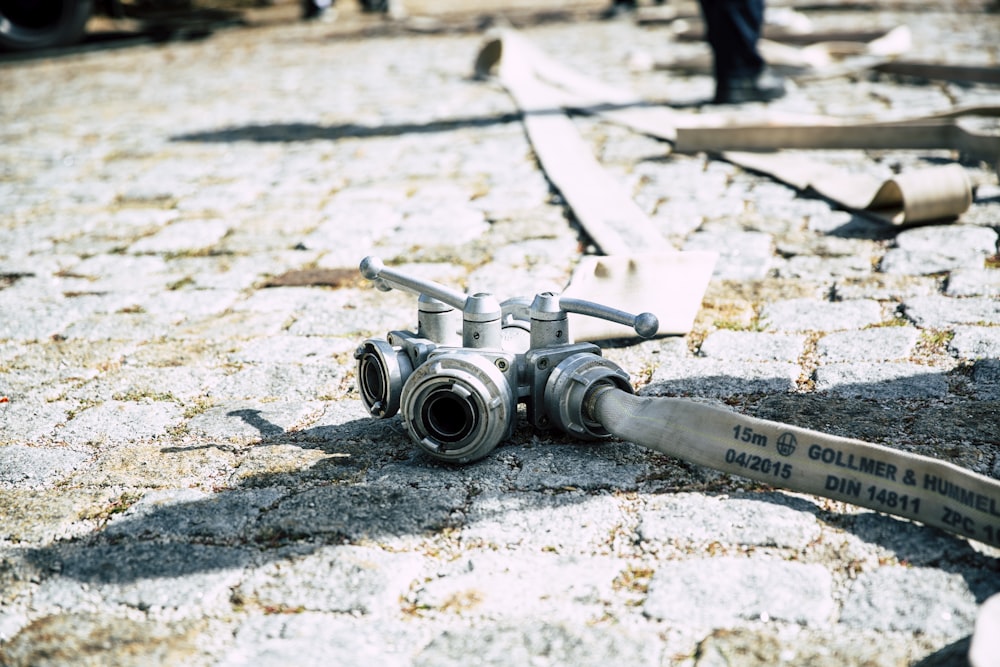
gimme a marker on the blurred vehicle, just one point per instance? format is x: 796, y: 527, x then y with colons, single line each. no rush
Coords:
x: 39, y: 24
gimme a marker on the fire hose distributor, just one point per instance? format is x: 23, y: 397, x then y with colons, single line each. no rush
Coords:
x: 458, y: 385
x: 459, y: 401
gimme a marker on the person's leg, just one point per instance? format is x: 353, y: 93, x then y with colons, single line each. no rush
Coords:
x: 732, y: 29
x: 618, y: 8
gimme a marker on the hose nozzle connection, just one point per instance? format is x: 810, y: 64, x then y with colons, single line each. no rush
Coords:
x: 568, y: 393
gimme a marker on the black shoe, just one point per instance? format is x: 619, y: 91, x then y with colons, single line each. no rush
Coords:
x: 315, y: 9
x: 619, y: 8
x: 764, y: 87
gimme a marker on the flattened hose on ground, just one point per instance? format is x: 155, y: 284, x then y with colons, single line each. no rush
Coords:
x: 933, y: 492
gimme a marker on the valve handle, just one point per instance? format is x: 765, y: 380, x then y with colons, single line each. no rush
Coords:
x: 644, y: 324
x: 375, y: 270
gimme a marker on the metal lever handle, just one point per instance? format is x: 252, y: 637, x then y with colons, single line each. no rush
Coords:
x: 375, y: 270
x: 645, y: 324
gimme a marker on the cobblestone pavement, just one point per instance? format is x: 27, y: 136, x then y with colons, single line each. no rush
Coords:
x: 187, y: 475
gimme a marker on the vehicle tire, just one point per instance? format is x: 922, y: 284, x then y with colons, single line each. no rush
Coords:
x: 38, y: 24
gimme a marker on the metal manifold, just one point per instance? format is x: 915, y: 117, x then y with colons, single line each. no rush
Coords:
x: 458, y: 380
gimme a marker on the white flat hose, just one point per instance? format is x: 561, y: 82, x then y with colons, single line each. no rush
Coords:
x: 933, y: 492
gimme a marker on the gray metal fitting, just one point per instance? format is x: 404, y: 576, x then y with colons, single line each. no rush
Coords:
x: 458, y: 406
x: 382, y: 371
x: 569, y: 385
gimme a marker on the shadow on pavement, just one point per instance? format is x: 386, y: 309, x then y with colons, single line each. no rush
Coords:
x: 293, y: 132
x: 277, y: 515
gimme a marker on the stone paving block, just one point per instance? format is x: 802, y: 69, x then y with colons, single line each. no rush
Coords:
x: 493, y: 474
x: 189, y: 304
x: 191, y: 514
x: 293, y: 349
x: 184, y: 236
x: 720, y: 591
x: 971, y: 342
x: 588, y: 465
x: 39, y: 516
x: 165, y: 383
x: 910, y: 542
x: 973, y: 282
x: 764, y: 520
x: 493, y: 586
x: 117, y: 422
x: 938, y: 248
x: 363, y: 513
x: 16, y: 269
x: 249, y: 421
x: 815, y: 315
x: 537, y: 253
x: 943, y: 312
x: 280, y: 381
x: 764, y: 647
x: 153, y: 190
x: 538, y: 642
x: 289, y: 463
x: 798, y: 243
x: 883, y: 380
x: 742, y: 255
x: 218, y: 199
x: 720, y: 207
x: 128, y: 224
x: 131, y: 327
x: 125, y: 273
x: 884, y: 287
x: 40, y: 320
x: 426, y: 230
x: 248, y: 324
x: 193, y: 579
x: 808, y: 267
x: 92, y: 638
x: 776, y: 201
x: 677, y: 217
x: 715, y: 378
x: 898, y: 598
x: 986, y: 375
x: 569, y: 522
x: 349, y: 229
x: 753, y: 346
x: 26, y: 467
x: 345, y: 579
x: 236, y: 273
x: 314, y: 639
x: 31, y: 418
x: 354, y: 312
x: 280, y: 301
x: 508, y: 199
x: 878, y: 344
x: 159, y: 465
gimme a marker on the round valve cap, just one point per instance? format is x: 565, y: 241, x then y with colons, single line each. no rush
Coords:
x: 646, y: 325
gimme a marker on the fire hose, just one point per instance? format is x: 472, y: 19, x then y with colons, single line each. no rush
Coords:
x: 458, y: 380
